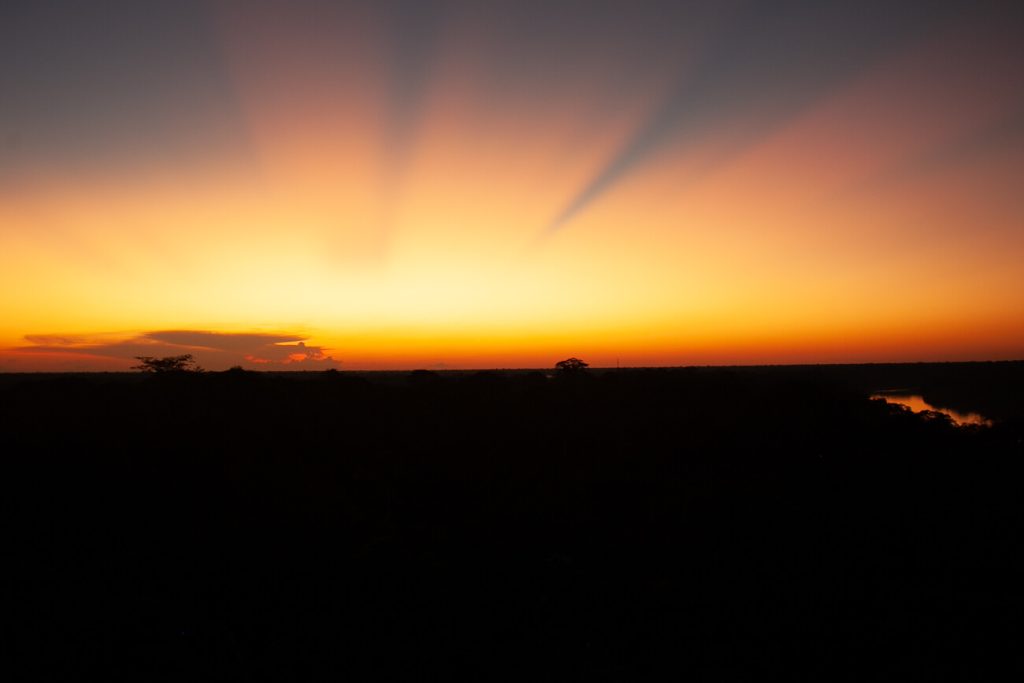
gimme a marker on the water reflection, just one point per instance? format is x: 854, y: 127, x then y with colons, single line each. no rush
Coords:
x: 917, y: 403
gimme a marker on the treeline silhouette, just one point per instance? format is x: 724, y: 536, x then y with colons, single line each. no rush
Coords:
x: 700, y: 524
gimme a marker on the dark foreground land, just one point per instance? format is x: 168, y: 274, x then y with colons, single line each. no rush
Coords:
x: 692, y: 524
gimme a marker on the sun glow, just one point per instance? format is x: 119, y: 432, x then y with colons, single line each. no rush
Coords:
x: 399, y: 209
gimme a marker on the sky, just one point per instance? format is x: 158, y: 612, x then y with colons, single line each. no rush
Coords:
x: 446, y: 184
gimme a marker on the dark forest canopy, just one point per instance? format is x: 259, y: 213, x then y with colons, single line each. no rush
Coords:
x: 699, y: 523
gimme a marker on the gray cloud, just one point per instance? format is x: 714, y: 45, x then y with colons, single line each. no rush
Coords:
x: 213, y: 350
x: 221, y: 341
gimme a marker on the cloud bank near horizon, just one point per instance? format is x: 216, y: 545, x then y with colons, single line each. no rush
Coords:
x: 212, y: 350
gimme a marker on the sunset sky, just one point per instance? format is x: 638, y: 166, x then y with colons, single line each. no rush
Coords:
x: 404, y: 184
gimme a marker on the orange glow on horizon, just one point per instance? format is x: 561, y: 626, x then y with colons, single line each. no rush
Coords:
x: 881, y: 221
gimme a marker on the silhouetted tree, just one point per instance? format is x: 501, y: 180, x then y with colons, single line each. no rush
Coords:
x: 571, y: 365
x: 184, y: 363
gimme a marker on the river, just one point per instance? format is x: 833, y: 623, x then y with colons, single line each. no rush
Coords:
x: 917, y: 403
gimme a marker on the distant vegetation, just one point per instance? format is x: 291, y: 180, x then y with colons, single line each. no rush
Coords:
x: 693, y: 524
x: 571, y: 365
x: 167, y: 364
